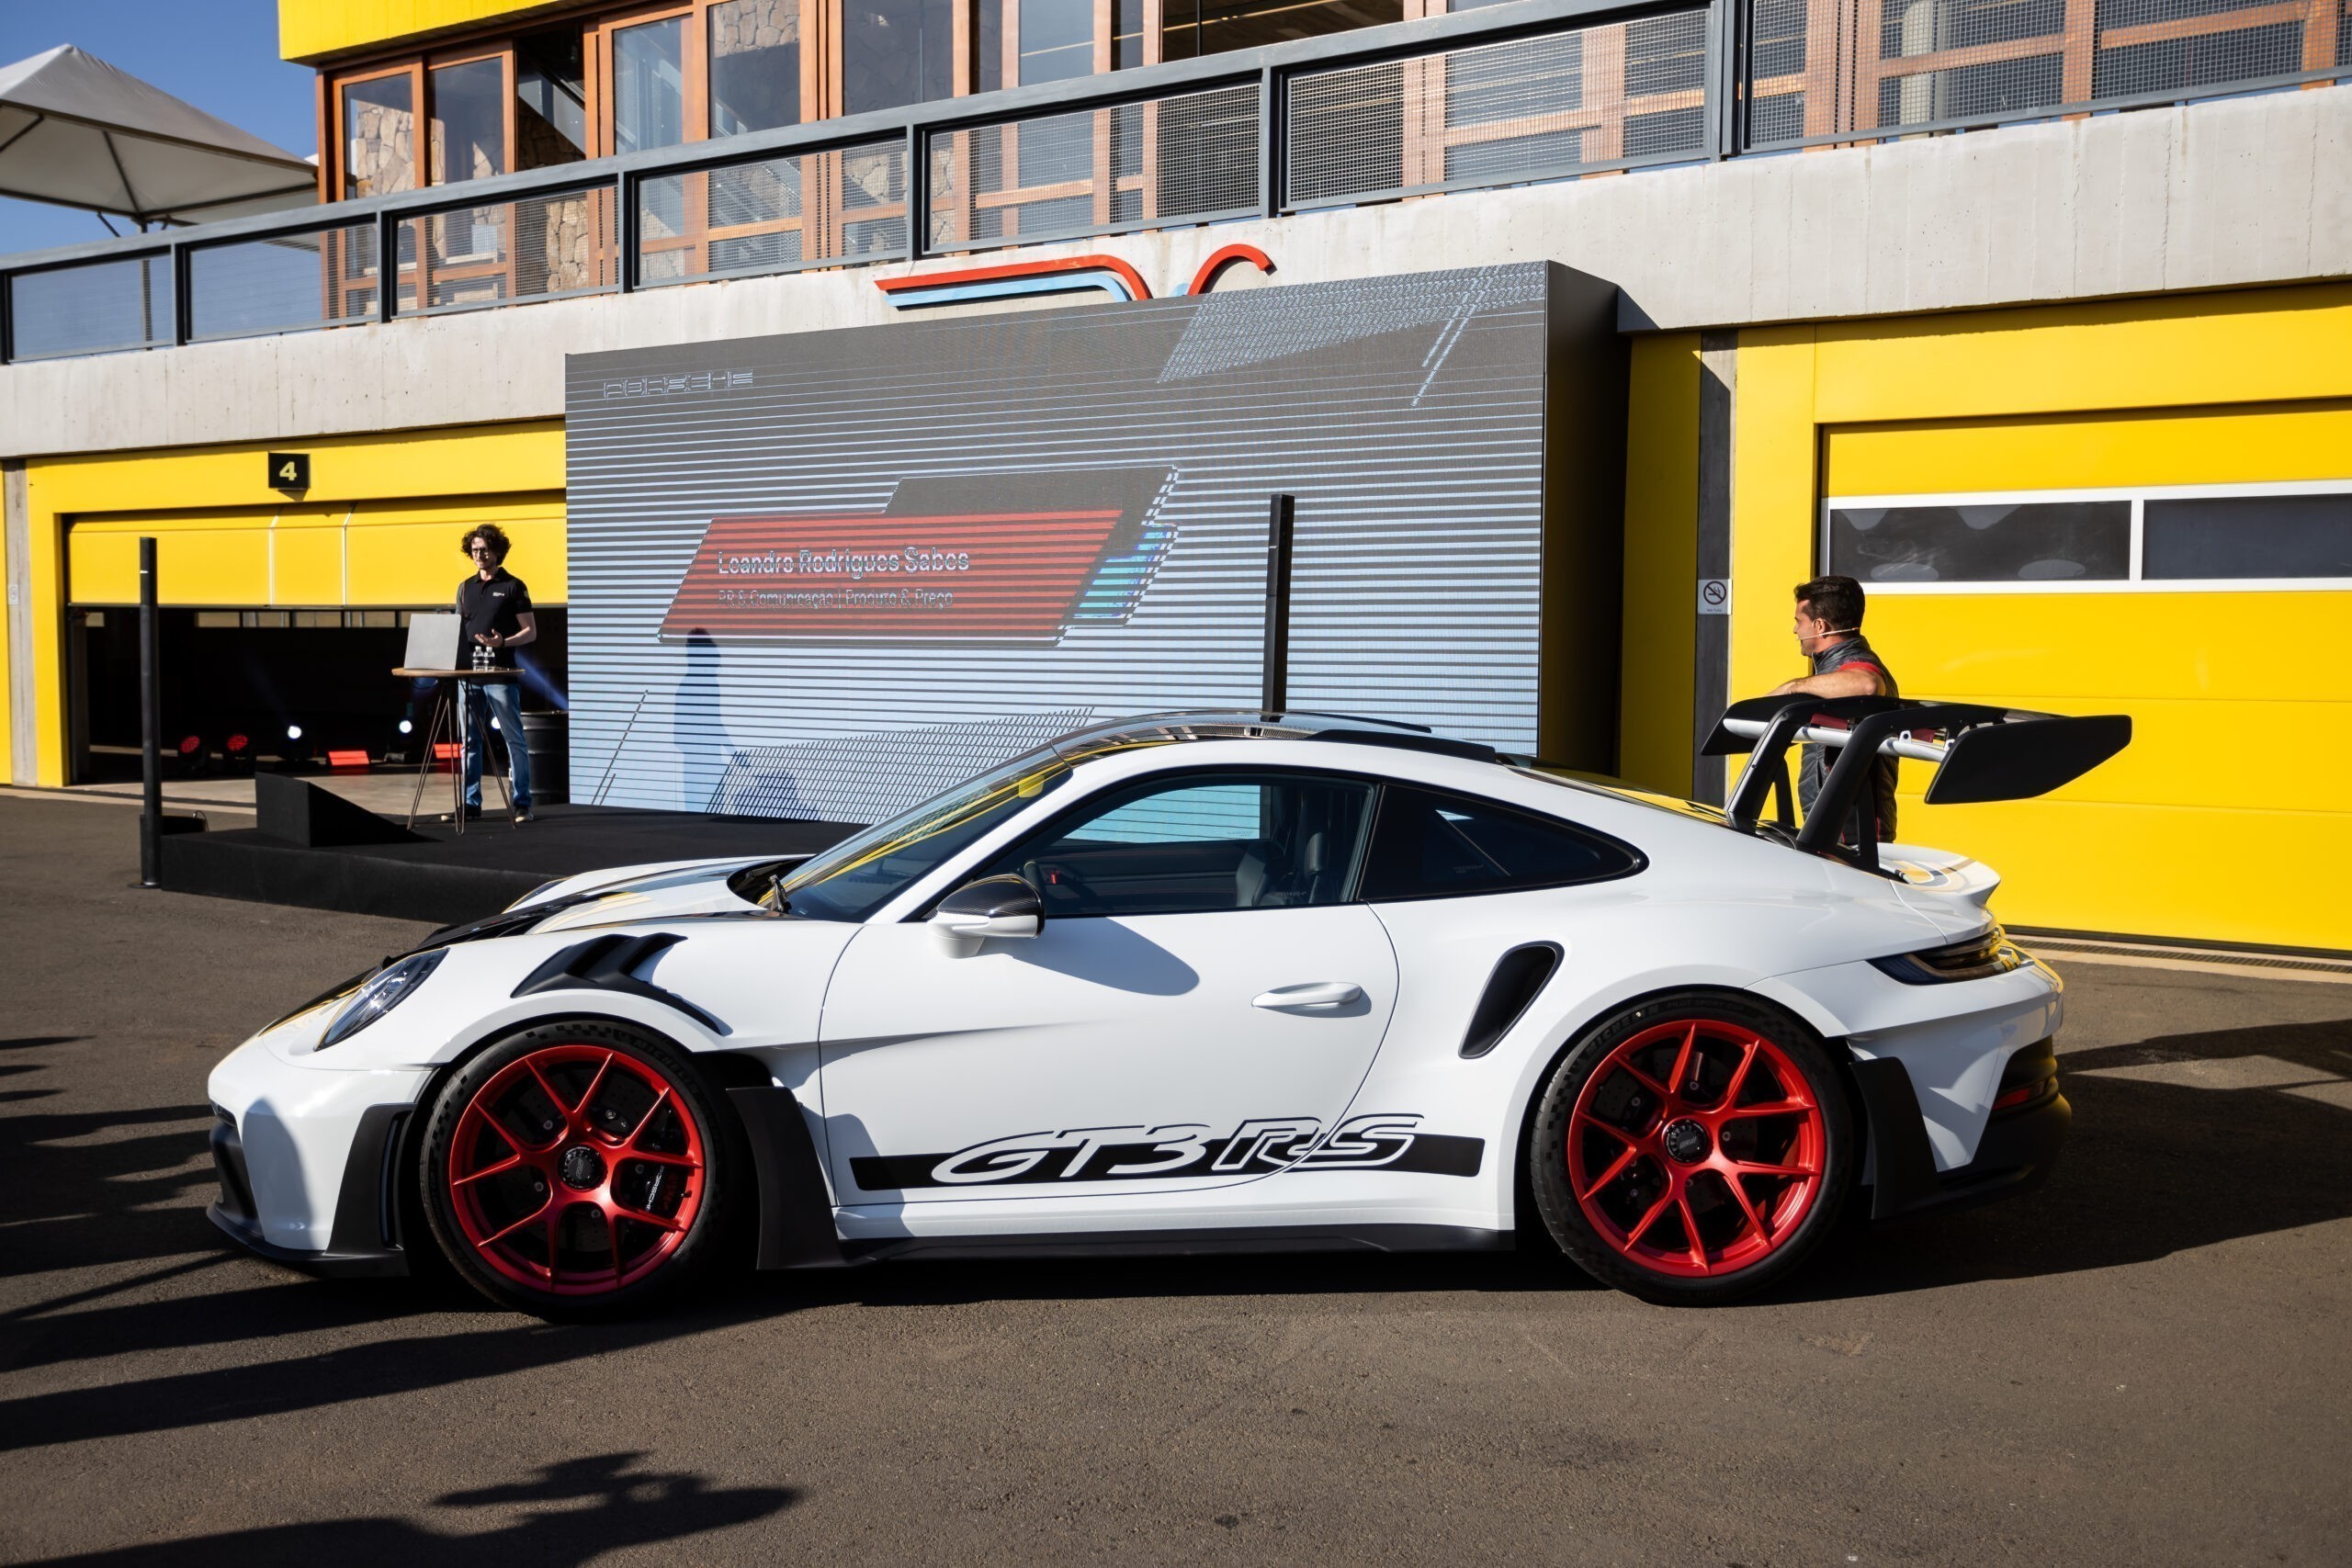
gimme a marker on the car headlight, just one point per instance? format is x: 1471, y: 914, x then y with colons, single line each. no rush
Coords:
x: 381, y: 995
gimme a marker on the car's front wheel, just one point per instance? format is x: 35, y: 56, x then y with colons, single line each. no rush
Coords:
x: 1693, y: 1149
x: 577, y: 1168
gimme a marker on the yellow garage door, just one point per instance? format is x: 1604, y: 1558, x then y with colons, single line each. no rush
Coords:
x: 390, y: 554
x: 2193, y: 569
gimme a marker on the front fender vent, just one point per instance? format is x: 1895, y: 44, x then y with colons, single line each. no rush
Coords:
x: 609, y: 963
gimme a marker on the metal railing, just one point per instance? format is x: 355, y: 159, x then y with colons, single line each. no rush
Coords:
x: 1820, y: 71
x: 1503, y: 95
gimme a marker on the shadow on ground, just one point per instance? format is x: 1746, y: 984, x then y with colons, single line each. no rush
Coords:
x: 2159, y: 1162
x: 2179, y: 1142
x: 588, y: 1507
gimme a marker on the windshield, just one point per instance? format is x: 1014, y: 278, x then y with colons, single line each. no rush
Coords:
x: 860, y: 874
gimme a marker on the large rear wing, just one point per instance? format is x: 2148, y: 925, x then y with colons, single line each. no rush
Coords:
x: 1981, y: 753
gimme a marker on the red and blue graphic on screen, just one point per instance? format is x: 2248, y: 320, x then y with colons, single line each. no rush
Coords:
x: 956, y: 557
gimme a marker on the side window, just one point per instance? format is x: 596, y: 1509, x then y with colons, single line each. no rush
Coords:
x: 1442, y: 846
x: 1200, y: 843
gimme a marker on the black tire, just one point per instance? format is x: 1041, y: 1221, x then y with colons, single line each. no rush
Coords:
x: 661, y: 1157
x: 1745, y: 1239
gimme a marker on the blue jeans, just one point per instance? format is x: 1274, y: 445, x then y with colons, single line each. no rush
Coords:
x: 505, y: 700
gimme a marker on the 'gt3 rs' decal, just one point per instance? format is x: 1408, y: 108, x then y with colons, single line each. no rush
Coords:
x: 1381, y: 1141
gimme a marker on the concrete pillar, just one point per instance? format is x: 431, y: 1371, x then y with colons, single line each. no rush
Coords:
x: 24, y: 757
x: 1718, y: 388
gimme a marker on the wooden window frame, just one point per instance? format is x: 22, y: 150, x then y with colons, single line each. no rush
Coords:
x: 499, y: 268
x: 413, y: 69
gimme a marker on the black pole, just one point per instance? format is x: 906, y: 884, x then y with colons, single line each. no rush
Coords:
x: 151, y: 725
x: 1280, y: 511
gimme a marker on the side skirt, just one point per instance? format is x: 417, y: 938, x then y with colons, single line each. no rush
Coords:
x: 1214, y: 1242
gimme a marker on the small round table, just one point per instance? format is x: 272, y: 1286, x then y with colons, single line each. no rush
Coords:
x: 448, y: 713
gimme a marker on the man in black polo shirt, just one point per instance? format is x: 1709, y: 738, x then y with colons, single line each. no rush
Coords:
x: 1829, y: 634
x: 496, y: 611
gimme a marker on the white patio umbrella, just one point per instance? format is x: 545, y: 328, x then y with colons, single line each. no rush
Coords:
x: 78, y: 133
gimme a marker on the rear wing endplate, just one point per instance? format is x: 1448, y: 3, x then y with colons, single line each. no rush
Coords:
x: 1981, y: 753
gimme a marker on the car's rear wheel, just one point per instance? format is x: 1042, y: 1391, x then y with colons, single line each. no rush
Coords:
x: 578, y: 1169
x: 1693, y: 1149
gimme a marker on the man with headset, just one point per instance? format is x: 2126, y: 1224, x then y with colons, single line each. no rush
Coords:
x: 1829, y: 633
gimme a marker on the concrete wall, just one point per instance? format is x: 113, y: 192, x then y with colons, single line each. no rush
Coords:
x: 2234, y: 192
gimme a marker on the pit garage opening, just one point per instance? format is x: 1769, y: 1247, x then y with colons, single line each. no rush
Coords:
x: 279, y: 631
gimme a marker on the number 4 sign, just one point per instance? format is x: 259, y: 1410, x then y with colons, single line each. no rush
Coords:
x: 289, y: 470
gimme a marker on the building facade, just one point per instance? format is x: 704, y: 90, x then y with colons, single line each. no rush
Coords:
x: 2041, y: 325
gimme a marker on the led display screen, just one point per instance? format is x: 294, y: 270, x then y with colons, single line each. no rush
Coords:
x: 826, y: 574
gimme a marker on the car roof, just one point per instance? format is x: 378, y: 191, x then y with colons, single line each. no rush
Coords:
x: 1159, y: 728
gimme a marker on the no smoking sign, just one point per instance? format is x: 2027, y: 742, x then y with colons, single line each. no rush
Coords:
x: 1714, y: 596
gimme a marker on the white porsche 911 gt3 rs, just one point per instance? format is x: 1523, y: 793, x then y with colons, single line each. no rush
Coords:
x: 1198, y: 983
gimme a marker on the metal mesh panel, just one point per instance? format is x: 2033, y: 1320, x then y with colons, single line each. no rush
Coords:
x: 1496, y: 114
x: 865, y: 778
x: 535, y: 247
x: 323, y: 278
x: 777, y: 215
x: 1188, y: 158
x: 1828, y: 70
x: 92, y: 307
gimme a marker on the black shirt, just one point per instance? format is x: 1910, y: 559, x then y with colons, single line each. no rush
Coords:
x: 1813, y: 770
x: 497, y: 606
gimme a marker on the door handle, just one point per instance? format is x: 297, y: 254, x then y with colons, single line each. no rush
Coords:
x: 1316, y: 994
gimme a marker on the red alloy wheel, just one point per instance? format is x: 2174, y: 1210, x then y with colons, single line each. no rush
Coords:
x: 1696, y: 1148
x: 576, y: 1170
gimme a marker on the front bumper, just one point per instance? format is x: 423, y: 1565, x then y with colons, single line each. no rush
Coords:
x: 365, y: 1242
x: 308, y: 1160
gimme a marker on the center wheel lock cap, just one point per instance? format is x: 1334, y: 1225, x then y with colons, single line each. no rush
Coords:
x: 1686, y: 1142
x: 581, y: 1168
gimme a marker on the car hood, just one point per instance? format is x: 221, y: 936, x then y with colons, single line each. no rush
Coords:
x: 624, y: 894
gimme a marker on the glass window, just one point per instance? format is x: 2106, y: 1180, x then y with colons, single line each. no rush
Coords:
x: 2064, y: 541
x: 1057, y: 39
x: 468, y: 121
x: 1440, y: 846
x: 550, y: 101
x: 1054, y: 39
x: 649, y: 86
x: 378, y: 138
x: 2249, y: 535
x: 1200, y: 843
x: 1213, y: 27
x: 754, y: 65
x: 987, y: 46
x: 896, y: 53
x: 862, y: 873
x: 1127, y: 34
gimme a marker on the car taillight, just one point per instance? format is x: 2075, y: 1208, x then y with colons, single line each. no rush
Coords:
x: 1987, y: 953
x: 2027, y: 1078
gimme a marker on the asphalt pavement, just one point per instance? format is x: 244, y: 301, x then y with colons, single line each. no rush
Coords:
x: 2148, y: 1361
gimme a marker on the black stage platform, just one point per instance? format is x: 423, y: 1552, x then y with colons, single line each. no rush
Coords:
x: 438, y: 875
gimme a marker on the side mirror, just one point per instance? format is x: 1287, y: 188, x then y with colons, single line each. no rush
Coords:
x: 993, y: 907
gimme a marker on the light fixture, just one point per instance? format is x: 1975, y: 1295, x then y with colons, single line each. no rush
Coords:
x: 293, y: 732
x: 406, y: 727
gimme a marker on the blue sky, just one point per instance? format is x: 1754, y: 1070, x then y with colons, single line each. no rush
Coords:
x: 221, y: 55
